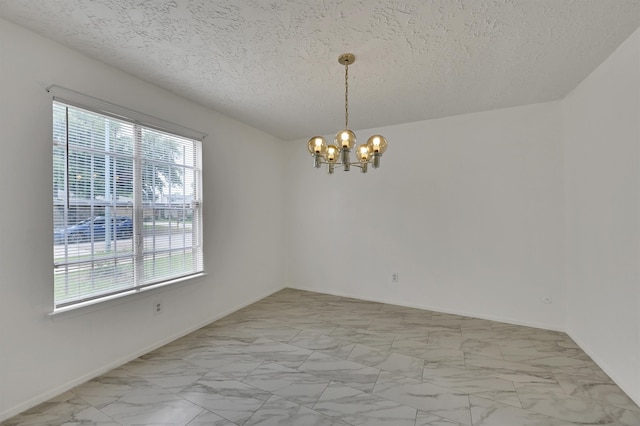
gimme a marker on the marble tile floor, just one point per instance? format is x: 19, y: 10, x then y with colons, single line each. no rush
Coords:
x: 309, y: 359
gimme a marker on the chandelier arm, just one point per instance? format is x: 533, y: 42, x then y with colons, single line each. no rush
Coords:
x: 352, y: 163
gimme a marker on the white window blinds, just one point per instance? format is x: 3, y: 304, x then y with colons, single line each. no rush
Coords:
x: 126, y: 206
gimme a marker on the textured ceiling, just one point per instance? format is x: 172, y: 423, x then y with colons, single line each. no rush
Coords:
x: 273, y: 63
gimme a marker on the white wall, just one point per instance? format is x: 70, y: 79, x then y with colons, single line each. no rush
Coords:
x: 40, y: 357
x: 467, y: 209
x: 602, y: 134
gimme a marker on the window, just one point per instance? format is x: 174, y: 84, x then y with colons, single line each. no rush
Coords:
x: 126, y: 206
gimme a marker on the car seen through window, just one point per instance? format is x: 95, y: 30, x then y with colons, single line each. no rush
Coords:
x: 94, y: 229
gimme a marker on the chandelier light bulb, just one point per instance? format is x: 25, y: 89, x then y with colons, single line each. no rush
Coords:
x: 332, y: 157
x: 346, y: 139
x: 317, y: 145
x: 377, y: 144
x: 332, y: 154
x: 363, y: 153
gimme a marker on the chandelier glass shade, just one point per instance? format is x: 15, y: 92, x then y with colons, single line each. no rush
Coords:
x: 339, y: 153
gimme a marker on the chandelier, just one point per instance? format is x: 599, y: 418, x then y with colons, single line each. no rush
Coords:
x: 338, y: 154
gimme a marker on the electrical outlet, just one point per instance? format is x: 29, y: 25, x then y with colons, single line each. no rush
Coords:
x: 546, y: 299
x: 395, y: 277
x: 157, y: 308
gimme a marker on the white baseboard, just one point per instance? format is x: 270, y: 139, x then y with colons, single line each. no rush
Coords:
x: 605, y: 367
x: 45, y: 396
x: 435, y: 309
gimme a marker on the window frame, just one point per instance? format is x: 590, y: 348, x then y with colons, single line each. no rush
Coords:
x: 140, y: 123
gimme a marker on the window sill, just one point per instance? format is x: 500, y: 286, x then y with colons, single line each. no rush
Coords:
x: 104, y: 302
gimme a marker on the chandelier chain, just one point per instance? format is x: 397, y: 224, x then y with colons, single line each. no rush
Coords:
x: 346, y: 96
